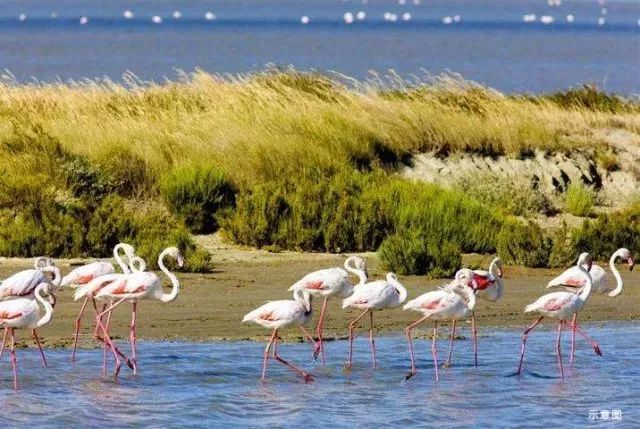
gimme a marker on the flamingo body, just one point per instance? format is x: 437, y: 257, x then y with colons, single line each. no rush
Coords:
x: 440, y: 305
x: 326, y: 282
x: 376, y: 295
x: 279, y: 314
x: 22, y: 284
x: 86, y: 273
x: 573, y: 280
x: 19, y: 313
x: 558, y: 305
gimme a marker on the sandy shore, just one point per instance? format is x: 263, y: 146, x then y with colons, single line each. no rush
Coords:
x: 211, y: 306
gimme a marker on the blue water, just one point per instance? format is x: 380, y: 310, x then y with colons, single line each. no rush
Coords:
x: 217, y: 385
x: 491, y: 44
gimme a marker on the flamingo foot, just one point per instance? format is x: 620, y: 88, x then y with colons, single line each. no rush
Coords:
x: 348, y: 366
x: 316, y: 351
x: 308, y: 378
x: 446, y: 364
x: 596, y: 348
x: 410, y: 374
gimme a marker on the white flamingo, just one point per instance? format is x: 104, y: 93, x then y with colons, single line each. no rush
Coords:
x: 23, y: 285
x: 134, y: 288
x: 490, y: 287
x: 561, y: 306
x: 328, y: 283
x: 452, y: 302
x: 377, y: 295
x: 573, y: 281
x: 281, y: 314
x: 24, y: 313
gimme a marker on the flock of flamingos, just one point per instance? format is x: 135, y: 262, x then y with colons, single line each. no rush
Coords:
x: 22, y: 294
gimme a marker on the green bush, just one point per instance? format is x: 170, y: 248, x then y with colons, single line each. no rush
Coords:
x: 590, y: 97
x: 524, y: 244
x: 195, y: 194
x: 579, y: 200
x: 412, y: 253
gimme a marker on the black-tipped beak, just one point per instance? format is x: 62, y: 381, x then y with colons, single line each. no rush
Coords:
x: 631, y: 264
x: 52, y: 300
x: 181, y: 261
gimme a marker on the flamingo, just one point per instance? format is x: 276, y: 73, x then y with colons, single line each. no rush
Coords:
x: 489, y: 286
x: 25, y: 313
x: 133, y: 288
x: 280, y: 314
x: 23, y: 285
x: 87, y: 273
x: 452, y: 302
x: 377, y: 295
x: 561, y: 305
x: 328, y: 283
x: 572, y: 281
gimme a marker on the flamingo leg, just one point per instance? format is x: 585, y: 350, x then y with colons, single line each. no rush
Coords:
x: 77, y: 328
x: 371, y: 341
x: 352, y: 327
x: 319, y: 347
x: 447, y: 364
x: 308, y: 336
x: 35, y: 337
x: 105, y: 348
x: 4, y: 340
x: 14, y: 359
x: 266, y: 354
x: 413, y: 370
x: 574, y: 324
x: 474, y: 336
x: 132, y: 337
x: 434, y: 350
x: 97, y: 337
x: 107, y: 339
x: 307, y: 377
x: 524, y: 341
x: 104, y: 306
x: 594, y: 344
x: 558, y: 349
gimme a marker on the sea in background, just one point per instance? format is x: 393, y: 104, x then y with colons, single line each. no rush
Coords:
x: 217, y: 384
x: 486, y: 41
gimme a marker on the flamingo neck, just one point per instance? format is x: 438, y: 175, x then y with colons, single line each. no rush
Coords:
x: 116, y: 255
x: 57, y: 276
x: 168, y: 297
x: 493, y: 269
x: 402, y: 291
x: 619, y: 283
x: 48, y: 309
x: 585, y: 293
x: 362, y: 275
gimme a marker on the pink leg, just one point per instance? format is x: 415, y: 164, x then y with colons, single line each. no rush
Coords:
x: 413, y: 370
x: 352, y: 327
x: 104, y: 306
x: 319, y: 347
x: 474, y: 336
x: 97, y: 337
x: 105, y: 348
x: 107, y: 339
x: 14, y: 359
x: 558, y: 349
x: 524, y: 341
x: 307, y: 377
x: 308, y: 336
x: 132, y: 337
x: 77, y: 328
x: 594, y: 344
x: 447, y: 364
x: 371, y: 341
x: 574, y: 324
x: 266, y: 354
x: 35, y: 337
x: 434, y: 350
x: 4, y: 340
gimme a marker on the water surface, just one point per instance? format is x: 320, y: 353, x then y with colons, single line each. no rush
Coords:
x: 217, y: 384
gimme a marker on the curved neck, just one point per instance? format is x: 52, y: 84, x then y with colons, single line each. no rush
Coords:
x: 586, y: 290
x: 401, y: 289
x: 116, y: 254
x: 471, y: 297
x: 493, y: 269
x: 168, y: 297
x: 619, y: 284
x: 57, y: 276
x: 362, y: 275
x: 48, y: 309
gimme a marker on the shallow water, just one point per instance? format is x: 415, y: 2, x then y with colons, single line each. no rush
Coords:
x: 491, y: 44
x: 214, y: 384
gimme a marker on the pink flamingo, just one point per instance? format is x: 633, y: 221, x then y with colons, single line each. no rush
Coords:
x: 453, y: 302
x: 328, y: 283
x: 24, y: 313
x: 489, y: 286
x: 85, y: 274
x: 561, y: 306
x: 377, y: 295
x: 280, y: 314
x: 133, y: 288
x: 572, y: 281
x: 23, y: 285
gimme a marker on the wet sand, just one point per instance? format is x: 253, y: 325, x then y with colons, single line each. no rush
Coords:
x: 211, y: 306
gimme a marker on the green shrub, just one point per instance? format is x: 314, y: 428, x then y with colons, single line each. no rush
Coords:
x: 590, y: 97
x: 411, y: 253
x: 195, y: 194
x: 524, y: 244
x: 562, y: 250
x: 579, y: 200
x: 111, y: 223
x: 124, y: 172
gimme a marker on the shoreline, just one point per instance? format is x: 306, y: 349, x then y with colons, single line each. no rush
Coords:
x: 210, y: 307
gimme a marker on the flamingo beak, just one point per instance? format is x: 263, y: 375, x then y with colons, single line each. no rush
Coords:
x: 500, y: 272
x: 52, y: 300
x: 631, y: 263
x: 180, y: 260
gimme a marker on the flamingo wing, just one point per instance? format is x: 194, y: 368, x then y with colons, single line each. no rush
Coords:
x: 21, y: 284
x: 572, y: 277
x: 483, y: 281
x: 86, y: 273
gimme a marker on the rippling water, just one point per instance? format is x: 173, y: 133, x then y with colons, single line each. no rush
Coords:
x: 214, y: 384
x: 491, y: 44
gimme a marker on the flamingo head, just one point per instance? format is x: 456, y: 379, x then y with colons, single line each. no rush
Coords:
x: 43, y: 261
x: 626, y: 256
x: 466, y: 277
x: 361, y: 264
x: 585, y: 260
x: 499, y: 269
